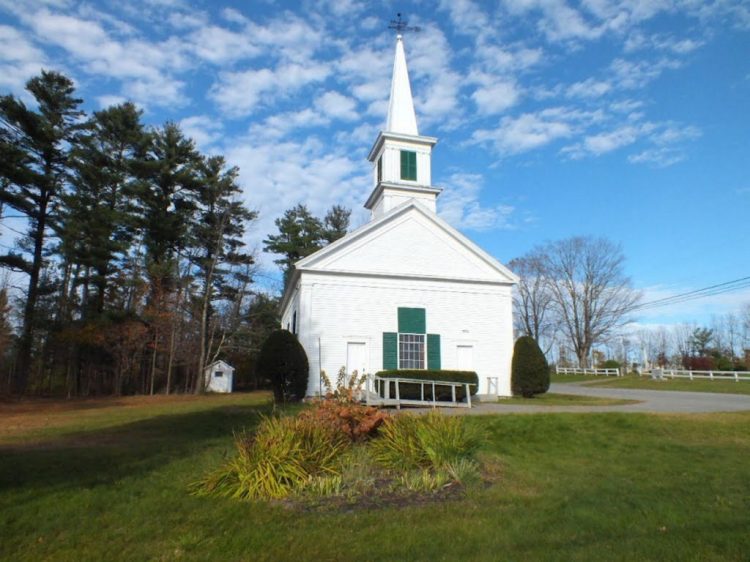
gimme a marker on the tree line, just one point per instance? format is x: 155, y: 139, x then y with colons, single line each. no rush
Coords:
x: 128, y: 272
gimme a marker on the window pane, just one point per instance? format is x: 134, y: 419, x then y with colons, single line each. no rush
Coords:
x: 411, y: 351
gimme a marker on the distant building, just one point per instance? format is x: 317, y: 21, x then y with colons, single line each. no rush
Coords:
x: 406, y: 290
x: 219, y: 377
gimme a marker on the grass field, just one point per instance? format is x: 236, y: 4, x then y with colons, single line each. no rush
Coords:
x: 557, y: 399
x: 109, y: 483
x: 634, y: 381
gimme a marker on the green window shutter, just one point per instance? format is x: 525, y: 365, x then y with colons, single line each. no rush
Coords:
x: 433, y: 351
x: 412, y: 321
x: 390, y: 351
x: 408, y: 165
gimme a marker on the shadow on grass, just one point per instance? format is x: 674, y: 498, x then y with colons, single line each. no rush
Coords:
x: 103, y: 456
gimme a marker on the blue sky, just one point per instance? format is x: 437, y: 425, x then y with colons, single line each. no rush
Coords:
x: 629, y: 120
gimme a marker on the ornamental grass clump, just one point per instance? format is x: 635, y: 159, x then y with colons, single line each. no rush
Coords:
x: 281, y: 457
x: 429, y: 441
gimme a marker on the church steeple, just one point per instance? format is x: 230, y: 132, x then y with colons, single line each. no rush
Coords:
x: 401, y: 156
x: 401, y: 116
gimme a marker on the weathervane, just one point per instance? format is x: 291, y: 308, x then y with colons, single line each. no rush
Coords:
x: 400, y: 25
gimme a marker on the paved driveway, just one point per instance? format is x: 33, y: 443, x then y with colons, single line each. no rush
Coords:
x: 650, y: 401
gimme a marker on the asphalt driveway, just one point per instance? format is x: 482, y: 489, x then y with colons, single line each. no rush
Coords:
x: 650, y: 401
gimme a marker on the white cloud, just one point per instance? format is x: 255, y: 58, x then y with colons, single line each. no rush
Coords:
x: 558, y: 21
x: 278, y: 175
x: 203, y: 129
x: 467, y: 18
x: 108, y: 100
x: 238, y: 93
x: 637, y: 74
x: 506, y: 59
x: 146, y: 66
x: 602, y: 143
x: 658, y: 157
x: 429, y: 56
x: 526, y: 132
x: 674, y: 133
x: 337, y: 106
x: 663, y: 136
x: 218, y: 45
x: 590, y: 88
x: 282, y: 124
x: 19, y: 59
x: 494, y: 95
x: 459, y: 204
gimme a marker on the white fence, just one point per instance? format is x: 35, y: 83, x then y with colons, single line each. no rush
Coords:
x: 735, y: 376
x: 584, y: 371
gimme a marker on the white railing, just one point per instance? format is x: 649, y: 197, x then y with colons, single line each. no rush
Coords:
x: 586, y: 371
x: 735, y: 376
x: 378, y: 392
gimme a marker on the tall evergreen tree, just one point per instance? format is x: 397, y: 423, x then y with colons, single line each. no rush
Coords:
x: 336, y: 223
x: 217, y: 236
x: 301, y: 234
x: 168, y: 179
x: 166, y: 186
x: 34, y: 158
x: 99, y: 214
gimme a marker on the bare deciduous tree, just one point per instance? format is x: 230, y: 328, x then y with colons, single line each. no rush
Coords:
x: 532, y: 301
x: 591, y: 294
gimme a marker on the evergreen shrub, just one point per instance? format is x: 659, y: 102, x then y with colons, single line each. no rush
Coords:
x: 529, y: 370
x: 283, y: 361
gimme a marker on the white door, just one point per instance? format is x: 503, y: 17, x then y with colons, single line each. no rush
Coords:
x: 356, y: 357
x: 465, y: 357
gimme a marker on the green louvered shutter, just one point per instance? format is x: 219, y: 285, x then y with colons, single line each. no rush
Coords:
x: 408, y: 165
x: 412, y: 321
x: 390, y: 351
x: 433, y: 351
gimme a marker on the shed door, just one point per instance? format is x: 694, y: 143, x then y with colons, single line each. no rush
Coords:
x: 465, y: 357
x: 356, y: 357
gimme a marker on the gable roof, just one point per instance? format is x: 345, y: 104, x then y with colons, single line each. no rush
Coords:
x: 339, y: 256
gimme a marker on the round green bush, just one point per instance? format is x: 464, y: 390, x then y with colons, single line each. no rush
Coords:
x: 529, y: 370
x: 283, y: 361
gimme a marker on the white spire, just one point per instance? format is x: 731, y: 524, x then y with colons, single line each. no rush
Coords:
x: 401, y: 117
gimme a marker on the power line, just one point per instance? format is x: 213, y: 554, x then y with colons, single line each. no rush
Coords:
x: 711, y: 290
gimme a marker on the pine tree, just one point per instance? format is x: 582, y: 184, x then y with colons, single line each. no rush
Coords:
x: 166, y: 187
x: 217, y: 238
x: 34, y: 158
x: 336, y: 223
x: 301, y: 234
x: 99, y: 214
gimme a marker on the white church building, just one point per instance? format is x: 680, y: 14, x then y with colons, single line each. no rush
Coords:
x: 406, y: 290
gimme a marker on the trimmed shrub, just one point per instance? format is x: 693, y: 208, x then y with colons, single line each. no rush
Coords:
x: 283, y: 361
x: 413, y: 391
x: 530, y: 370
x: 610, y: 364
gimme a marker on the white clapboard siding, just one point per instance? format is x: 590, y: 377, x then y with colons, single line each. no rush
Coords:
x: 336, y: 309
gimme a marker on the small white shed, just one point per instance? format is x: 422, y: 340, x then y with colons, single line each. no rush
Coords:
x: 219, y: 376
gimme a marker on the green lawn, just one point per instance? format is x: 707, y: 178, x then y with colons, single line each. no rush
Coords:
x: 634, y: 381
x: 556, y: 399
x: 568, y: 487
